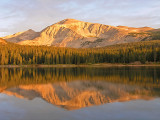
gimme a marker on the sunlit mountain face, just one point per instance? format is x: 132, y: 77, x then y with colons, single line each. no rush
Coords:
x: 2, y: 41
x: 75, y: 88
x: 79, y: 34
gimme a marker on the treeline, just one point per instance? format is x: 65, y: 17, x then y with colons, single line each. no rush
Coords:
x: 151, y: 35
x: 155, y: 35
x: 12, y: 54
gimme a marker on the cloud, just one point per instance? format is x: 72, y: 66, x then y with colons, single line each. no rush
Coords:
x: 20, y: 15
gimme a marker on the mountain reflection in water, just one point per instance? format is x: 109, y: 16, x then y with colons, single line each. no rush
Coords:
x: 75, y: 88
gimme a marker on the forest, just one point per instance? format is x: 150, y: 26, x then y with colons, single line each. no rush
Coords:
x: 146, y: 51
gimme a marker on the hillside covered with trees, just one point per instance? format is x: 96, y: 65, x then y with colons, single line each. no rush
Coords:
x: 12, y: 54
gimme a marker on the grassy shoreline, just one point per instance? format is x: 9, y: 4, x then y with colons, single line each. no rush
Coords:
x: 81, y: 65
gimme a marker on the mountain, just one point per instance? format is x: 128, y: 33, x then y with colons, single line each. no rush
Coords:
x: 79, y: 94
x: 79, y: 34
x: 20, y: 36
x: 2, y: 41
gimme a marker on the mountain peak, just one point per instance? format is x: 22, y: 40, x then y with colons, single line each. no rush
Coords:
x: 30, y: 30
x: 68, y: 21
x: 20, y: 36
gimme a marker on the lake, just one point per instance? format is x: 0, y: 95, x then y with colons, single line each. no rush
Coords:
x: 80, y: 93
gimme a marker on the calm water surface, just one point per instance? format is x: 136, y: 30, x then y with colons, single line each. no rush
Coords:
x: 113, y: 93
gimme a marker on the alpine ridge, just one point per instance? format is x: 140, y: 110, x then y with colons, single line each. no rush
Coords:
x: 20, y: 36
x: 78, y: 34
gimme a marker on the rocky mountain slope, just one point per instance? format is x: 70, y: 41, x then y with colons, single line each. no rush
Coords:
x: 2, y: 41
x: 21, y: 36
x: 79, y: 34
x: 79, y: 94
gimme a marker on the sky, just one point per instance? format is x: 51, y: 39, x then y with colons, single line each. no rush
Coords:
x: 21, y: 15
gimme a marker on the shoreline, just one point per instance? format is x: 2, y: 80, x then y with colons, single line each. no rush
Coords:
x: 81, y: 65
